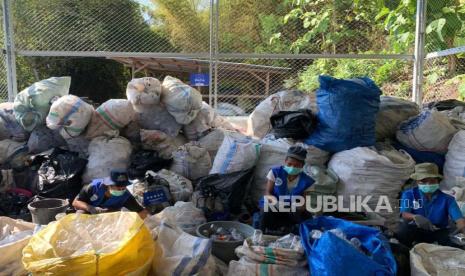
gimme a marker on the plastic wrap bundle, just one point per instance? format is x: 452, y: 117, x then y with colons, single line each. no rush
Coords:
x: 347, y: 114
x: 191, y: 161
x: 212, y: 141
x: 9, y: 127
x: 181, y: 100
x: 161, y: 142
x: 107, y: 244
x: 143, y: 91
x: 31, y: 106
x: 183, y: 215
x: 156, y: 117
x: 429, y: 131
x: 180, y: 187
x: 204, y: 122
x: 367, y: 172
x: 236, y: 153
x: 392, y: 112
x: 43, y: 139
x: 430, y: 259
x: 70, y: 115
x: 113, y: 114
x: 105, y: 154
x: 288, y: 100
x: 454, y: 168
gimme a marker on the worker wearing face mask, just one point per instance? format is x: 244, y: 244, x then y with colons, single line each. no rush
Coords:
x: 426, y: 210
x: 284, y: 182
x: 107, y: 195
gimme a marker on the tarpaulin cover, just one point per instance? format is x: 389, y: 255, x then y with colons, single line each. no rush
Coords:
x: 330, y: 255
x: 347, y: 114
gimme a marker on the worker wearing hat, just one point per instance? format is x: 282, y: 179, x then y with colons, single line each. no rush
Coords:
x: 286, y: 180
x: 108, y: 194
x: 426, y: 210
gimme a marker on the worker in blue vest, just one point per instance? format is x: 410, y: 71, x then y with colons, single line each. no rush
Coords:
x: 284, y: 182
x: 107, y: 195
x: 426, y: 211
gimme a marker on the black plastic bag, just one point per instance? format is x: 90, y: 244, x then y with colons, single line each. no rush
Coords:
x: 222, y: 193
x: 146, y: 160
x: 293, y: 124
x: 60, y: 175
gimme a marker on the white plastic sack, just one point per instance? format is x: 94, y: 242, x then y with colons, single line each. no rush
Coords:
x: 243, y: 267
x: 392, y: 112
x: 156, y: 117
x: 178, y: 253
x: 429, y: 131
x: 105, y: 154
x: 236, y: 153
x: 14, y: 236
x: 160, y: 142
x: 143, y: 91
x: 70, y: 115
x: 180, y: 187
x: 8, y: 148
x: 291, y: 100
x: 435, y: 260
x: 315, y: 156
x: 113, y: 114
x: 454, y: 167
x: 191, y: 161
x: 456, y: 116
x: 365, y: 171
x: 181, y: 100
x: 205, y: 120
x: 212, y: 141
x: 183, y: 215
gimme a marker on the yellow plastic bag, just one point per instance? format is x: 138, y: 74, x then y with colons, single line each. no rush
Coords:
x: 107, y: 244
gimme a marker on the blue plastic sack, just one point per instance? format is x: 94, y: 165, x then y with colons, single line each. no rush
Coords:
x: 423, y: 156
x: 347, y: 114
x: 331, y: 255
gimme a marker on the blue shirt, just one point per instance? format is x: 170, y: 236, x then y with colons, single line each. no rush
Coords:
x: 437, y: 210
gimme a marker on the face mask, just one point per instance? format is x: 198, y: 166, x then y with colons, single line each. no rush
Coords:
x: 117, y: 192
x: 292, y: 170
x: 428, y: 188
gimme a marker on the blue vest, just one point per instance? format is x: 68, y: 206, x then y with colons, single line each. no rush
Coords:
x: 98, y: 196
x: 280, y: 183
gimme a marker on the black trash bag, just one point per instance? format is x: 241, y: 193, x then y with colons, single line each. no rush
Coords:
x: 293, y: 124
x: 43, y: 139
x: 220, y: 195
x: 146, y: 160
x: 445, y: 105
x: 60, y: 175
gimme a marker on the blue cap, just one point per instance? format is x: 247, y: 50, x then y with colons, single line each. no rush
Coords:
x: 118, y: 177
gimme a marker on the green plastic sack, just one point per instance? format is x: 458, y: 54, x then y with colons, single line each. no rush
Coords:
x: 32, y: 105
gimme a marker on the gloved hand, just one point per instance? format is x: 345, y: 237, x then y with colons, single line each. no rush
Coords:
x: 423, y: 223
x: 96, y: 210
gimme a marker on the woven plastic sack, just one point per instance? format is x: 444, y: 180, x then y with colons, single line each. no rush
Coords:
x: 429, y: 131
x: 454, y: 167
x: 180, y: 187
x: 107, y: 244
x: 105, y: 154
x: 191, y: 161
x: 156, y: 117
x: 456, y: 116
x: 392, y: 112
x: 14, y: 236
x: 161, y: 142
x: 288, y: 100
x: 70, y: 115
x: 113, y: 114
x: 430, y: 259
x: 212, y: 141
x: 236, y: 153
x: 143, y: 91
x: 181, y: 100
x: 243, y: 267
x: 204, y: 122
x: 31, y: 106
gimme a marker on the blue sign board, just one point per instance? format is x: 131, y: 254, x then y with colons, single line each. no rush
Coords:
x: 155, y: 197
x: 199, y: 79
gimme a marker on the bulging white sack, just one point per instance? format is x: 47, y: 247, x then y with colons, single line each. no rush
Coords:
x: 454, y: 167
x: 143, y: 91
x: 191, y: 161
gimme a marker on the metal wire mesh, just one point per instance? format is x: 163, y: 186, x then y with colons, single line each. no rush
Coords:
x: 440, y: 83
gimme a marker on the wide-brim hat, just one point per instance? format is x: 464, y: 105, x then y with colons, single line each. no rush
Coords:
x: 425, y: 170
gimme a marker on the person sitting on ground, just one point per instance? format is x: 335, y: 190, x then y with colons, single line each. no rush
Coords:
x: 107, y: 195
x: 287, y: 180
x: 425, y: 210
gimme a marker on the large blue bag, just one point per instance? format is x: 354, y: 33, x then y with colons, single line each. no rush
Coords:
x: 347, y: 114
x: 331, y: 256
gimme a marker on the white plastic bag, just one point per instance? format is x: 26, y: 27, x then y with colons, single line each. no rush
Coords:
x: 180, y: 187
x: 429, y: 131
x: 105, y: 154
x: 156, y: 117
x: 181, y: 100
x: 70, y: 114
x: 143, y: 91
x: 236, y: 153
x: 191, y: 161
x: 435, y: 260
x: 161, y: 142
x: 454, y: 167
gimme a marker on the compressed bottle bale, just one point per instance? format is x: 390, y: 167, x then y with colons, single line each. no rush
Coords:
x: 156, y: 117
x: 70, y: 115
x: 191, y: 161
x: 113, y: 114
x: 160, y: 142
x: 31, y: 106
x: 181, y: 100
x: 454, y: 167
x: 105, y: 154
x: 143, y: 91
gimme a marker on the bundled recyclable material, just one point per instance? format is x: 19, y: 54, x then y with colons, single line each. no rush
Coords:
x: 143, y: 91
x: 156, y: 117
x: 392, y: 112
x: 160, y: 142
x: 191, y: 161
x: 113, y: 114
x: 454, y: 167
x: 430, y: 259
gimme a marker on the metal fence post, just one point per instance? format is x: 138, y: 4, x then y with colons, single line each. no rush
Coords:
x: 10, y: 51
x: 419, y: 55
x: 210, y: 60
